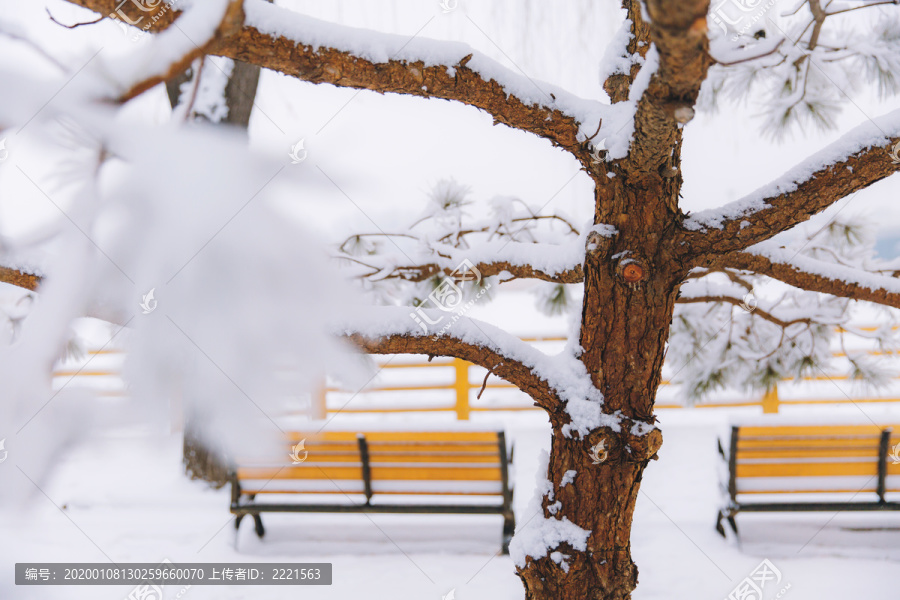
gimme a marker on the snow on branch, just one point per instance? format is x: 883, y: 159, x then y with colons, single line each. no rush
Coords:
x: 816, y: 275
x: 797, y: 62
x: 741, y: 328
x: 175, y: 49
x: 22, y: 279
x: 560, y: 383
x: 508, y: 260
x: 852, y: 163
x: 282, y: 40
x: 625, y: 53
x: 508, y: 239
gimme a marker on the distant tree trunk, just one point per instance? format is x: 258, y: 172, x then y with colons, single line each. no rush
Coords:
x: 201, y: 461
x: 240, y: 93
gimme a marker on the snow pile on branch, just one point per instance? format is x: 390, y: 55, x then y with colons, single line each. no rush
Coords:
x: 563, y: 373
x: 877, y: 133
x: 381, y: 48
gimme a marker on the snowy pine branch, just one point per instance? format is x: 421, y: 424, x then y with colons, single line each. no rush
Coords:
x: 513, y: 241
x: 852, y: 163
x: 740, y: 329
x: 799, y: 65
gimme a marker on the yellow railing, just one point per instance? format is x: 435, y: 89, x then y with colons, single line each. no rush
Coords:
x: 457, y: 397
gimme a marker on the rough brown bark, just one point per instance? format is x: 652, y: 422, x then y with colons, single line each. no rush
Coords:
x: 631, y: 280
x: 20, y: 279
x: 427, y: 271
x: 602, y: 496
x: 618, y: 85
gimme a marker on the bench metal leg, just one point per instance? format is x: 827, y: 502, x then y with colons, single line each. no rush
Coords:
x: 733, y: 525
x: 731, y: 522
x: 237, y: 521
x: 509, y: 528
x: 257, y: 521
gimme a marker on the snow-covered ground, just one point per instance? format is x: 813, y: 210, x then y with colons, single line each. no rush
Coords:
x: 123, y: 498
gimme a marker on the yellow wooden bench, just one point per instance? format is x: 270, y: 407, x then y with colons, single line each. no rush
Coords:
x: 433, y: 472
x: 775, y: 468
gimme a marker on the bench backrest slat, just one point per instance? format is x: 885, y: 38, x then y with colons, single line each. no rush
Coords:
x: 812, y: 459
x: 390, y: 462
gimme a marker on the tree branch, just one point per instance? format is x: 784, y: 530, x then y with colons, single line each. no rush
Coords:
x: 170, y: 67
x: 300, y: 46
x: 417, y: 273
x: 19, y: 278
x: 510, y: 359
x: 618, y: 84
x: 816, y: 276
x: 679, y: 33
x: 739, y: 302
x: 854, y: 162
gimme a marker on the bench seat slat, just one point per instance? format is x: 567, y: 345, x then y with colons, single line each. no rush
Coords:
x: 813, y: 484
x: 462, y: 488
x: 383, y: 457
x: 375, y: 437
x: 393, y: 472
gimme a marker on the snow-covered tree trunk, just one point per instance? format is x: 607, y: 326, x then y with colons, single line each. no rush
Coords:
x: 600, y: 498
